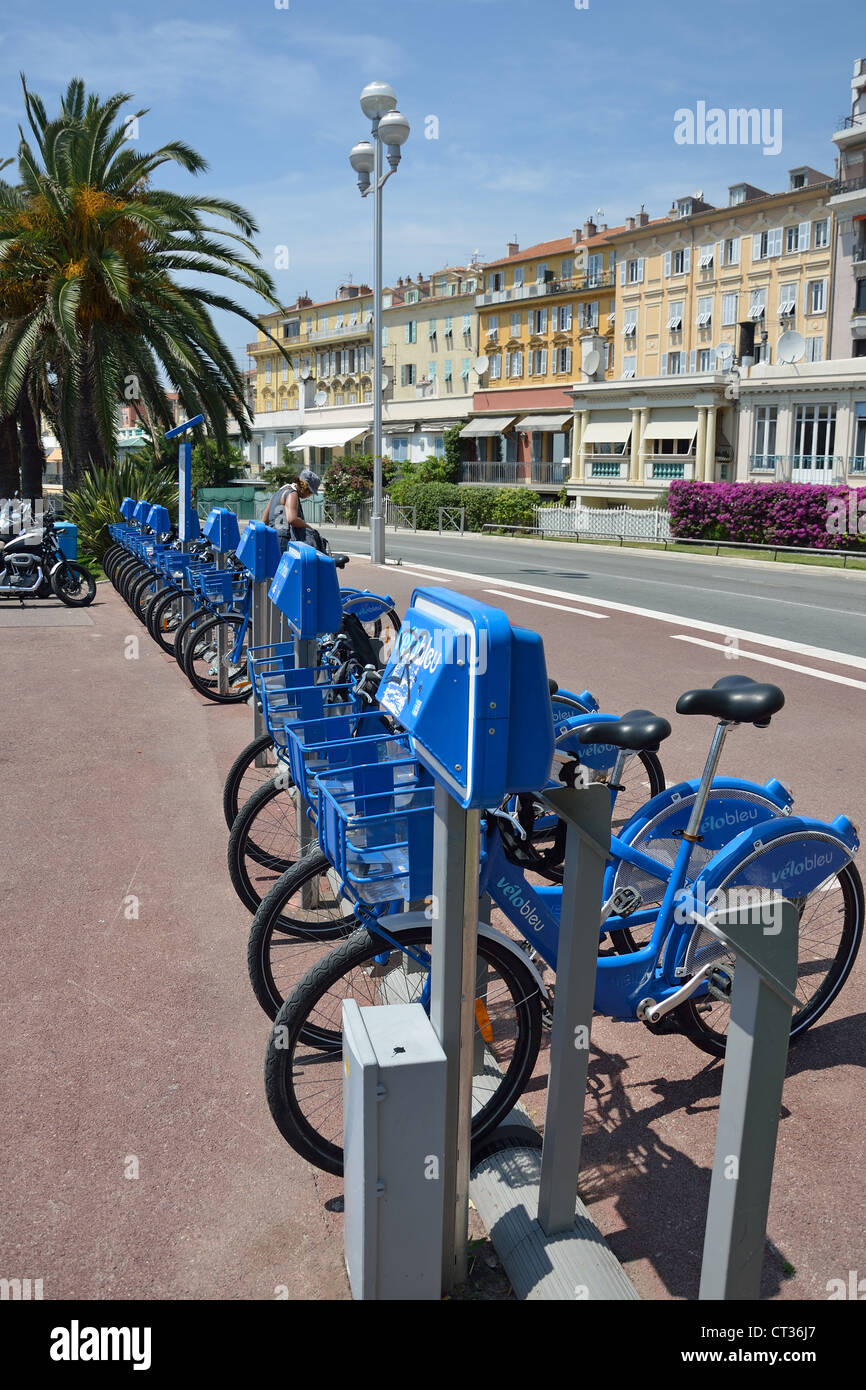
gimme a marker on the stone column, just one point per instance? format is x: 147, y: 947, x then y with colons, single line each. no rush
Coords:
x: 644, y: 421
x: 585, y: 445
x: 702, y: 467
x: 710, y: 445
x: 577, y: 445
x: 636, y: 431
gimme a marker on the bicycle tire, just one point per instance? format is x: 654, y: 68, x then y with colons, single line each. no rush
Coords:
x: 198, y: 615
x: 693, y: 1017
x: 138, y: 590
x: 263, y: 835
x: 302, y: 1036
x: 285, y: 942
x: 130, y: 577
x: 235, y: 790
x: 124, y: 569
x: 159, y: 623
x: 110, y: 558
x: 200, y: 640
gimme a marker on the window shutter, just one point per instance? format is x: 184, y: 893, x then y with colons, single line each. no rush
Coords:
x: 720, y: 254
x: 664, y: 364
x: 756, y: 246
x: 774, y: 241
x: 407, y: 330
x: 568, y: 359
x: 622, y: 265
x: 543, y: 371
x: 804, y: 236
x: 640, y: 269
x: 693, y: 359
x: 806, y: 297
x: 687, y: 260
x: 543, y: 316
x: 530, y: 357
x: 667, y: 263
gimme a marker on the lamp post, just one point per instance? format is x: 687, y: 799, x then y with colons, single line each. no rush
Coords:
x: 391, y: 129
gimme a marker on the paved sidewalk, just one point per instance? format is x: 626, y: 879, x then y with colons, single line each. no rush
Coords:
x: 134, y: 1043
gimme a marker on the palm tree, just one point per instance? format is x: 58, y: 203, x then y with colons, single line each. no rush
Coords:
x: 90, y: 312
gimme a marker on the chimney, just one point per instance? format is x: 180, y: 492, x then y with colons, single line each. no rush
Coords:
x: 304, y: 300
x: 642, y: 217
x: 420, y: 279
x: 399, y: 282
x: 589, y: 228
x: 629, y: 224
x: 603, y: 227
x: 512, y: 248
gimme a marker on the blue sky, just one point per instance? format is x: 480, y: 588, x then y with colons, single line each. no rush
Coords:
x: 545, y: 112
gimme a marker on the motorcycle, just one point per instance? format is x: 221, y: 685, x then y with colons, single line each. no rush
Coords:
x: 34, y: 566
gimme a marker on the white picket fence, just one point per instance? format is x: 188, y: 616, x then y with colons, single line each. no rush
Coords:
x: 632, y: 523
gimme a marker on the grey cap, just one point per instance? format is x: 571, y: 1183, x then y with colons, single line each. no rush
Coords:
x: 312, y: 479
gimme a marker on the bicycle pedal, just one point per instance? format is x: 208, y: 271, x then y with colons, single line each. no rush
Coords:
x: 625, y: 900
x: 547, y: 1017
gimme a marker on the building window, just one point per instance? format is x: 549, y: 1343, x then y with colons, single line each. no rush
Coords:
x: 562, y: 318
x: 629, y: 328
x: 268, y: 373
x: 538, y: 362
x: 284, y: 370
x: 368, y: 396
x: 673, y: 363
x: 816, y: 296
x: 408, y: 374
x: 635, y: 271
x: 449, y: 327
x: 518, y: 276
x: 413, y: 296
x: 814, y: 349
x: 705, y: 359
x: 860, y: 297
x: 384, y: 335
x: 464, y: 368
x: 798, y: 238
x: 514, y: 364
x: 729, y: 309
x: 411, y: 331
x: 859, y: 460
x: 629, y: 367
x: 431, y: 332
x: 766, y: 244
x: 705, y: 311
x: 399, y: 448
x: 707, y: 257
x: 594, y: 269
x: 538, y: 321
x: 515, y: 325
x: 787, y: 301
x: 814, y: 435
x: 731, y: 251
x: 496, y: 366
x: 492, y: 326
x: 821, y: 233
x: 447, y: 370
x: 338, y: 398
x: 758, y: 305
x: 764, y: 446
x: 467, y: 323
x: 675, y: 319
x: 340, y: 320
x: 678, y: 262
x: 562, y: 359
x: 736, y: 195
x: 496, y: 281
x: 431, y: 371
x: 587, y: 314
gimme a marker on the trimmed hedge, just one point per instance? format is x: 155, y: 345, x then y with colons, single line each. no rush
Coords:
x: 806, y: 514
x: 505, y: 506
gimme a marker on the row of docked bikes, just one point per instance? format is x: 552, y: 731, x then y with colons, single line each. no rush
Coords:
x: 330, y: 816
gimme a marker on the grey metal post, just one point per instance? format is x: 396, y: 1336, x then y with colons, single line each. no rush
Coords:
x: 222, y: 633
x: 757, y: 1048
x: 586, y: 810
x: 456, y: 844
x: 260, y: 636
x: 377, y: 521
x: 305, y: 655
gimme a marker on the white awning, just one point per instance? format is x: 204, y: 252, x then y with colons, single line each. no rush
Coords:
x: 615, y: 432
x: 328, y: 439
x: 671, y: 429
x: 557, y: 423
x: 491, y: 424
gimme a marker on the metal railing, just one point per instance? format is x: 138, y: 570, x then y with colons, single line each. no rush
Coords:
x: 405, y: 517
x: 605, y: 467
x: 669, y: 468
x: 847, y: 185
x: 857, y: 463
x: 850, y: 122
x: 471, y: 472
x: 452, y: 519
x: 604, y: 280
x: 548, y: 472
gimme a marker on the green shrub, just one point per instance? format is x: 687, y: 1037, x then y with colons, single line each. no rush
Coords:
x: 505, y: 506
x: 95, y: 503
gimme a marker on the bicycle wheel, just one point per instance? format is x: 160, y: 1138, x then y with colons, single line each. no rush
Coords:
x: 383, y: 633
x: 110, y: 559
x: 201, y: 659
x: 831, y: 928
x: 131, y: 576
x: 141, y: 593
x: 296, y: 924
x: 304, y: 1065
x: 165, y: 615
x: 264, y: 839
x: 254, y: 766
x: 126, y: 566
x: 185, y: 627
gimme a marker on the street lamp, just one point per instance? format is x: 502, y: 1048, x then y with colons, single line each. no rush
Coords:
x: 389, y: 129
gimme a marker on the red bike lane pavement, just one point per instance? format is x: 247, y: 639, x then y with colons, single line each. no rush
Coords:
x: 133, y: 1044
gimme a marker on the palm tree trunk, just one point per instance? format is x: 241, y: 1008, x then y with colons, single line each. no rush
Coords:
x: 9, y: 475
x: 87, y: 450
x: 32, y: 453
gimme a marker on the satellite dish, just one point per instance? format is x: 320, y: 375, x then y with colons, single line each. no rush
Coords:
x: 592, y: 362
x: 386, y: 382
x: 305, y: 374
x: 724, y: 352
x: 321, y: 398
x: 791, y: 347
x: 481, y: 364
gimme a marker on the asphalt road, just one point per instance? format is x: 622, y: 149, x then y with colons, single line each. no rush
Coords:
x: 794, y: 603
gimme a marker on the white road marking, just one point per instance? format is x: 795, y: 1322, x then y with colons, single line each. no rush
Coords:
x: 416, y: 574
x: 772, y: 661
x: 760, y: 638
x: 540, y: 603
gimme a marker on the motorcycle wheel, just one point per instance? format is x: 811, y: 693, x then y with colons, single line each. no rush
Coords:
x: 74, y: 585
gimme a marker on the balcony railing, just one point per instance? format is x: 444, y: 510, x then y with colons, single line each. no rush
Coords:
x: 671, y: 468
x: 847, y: 185
x: 488, y: 473
x: 607, y: 467
x: 604, y: 280
x: 549, y: 473
x: 764, y: 463
x: 857, y: 463
x: 802, y: 468
x: 849, y: 122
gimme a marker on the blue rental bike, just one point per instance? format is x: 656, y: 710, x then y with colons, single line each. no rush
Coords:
x: 701, y: 846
